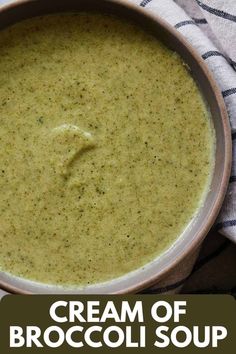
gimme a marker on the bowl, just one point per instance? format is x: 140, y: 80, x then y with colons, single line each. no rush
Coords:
x: 194, y: 234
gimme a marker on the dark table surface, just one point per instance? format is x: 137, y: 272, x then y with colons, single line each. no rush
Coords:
x: 215, y: 270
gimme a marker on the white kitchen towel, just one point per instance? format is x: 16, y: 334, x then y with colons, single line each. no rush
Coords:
x: 210, y: 26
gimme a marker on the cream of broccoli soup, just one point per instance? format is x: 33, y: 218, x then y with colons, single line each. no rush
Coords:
x: 106, y: 148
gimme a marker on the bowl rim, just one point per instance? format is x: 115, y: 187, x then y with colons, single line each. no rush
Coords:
x: 204, y: 228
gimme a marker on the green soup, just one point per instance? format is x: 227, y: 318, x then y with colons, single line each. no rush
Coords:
x: 106, y: 148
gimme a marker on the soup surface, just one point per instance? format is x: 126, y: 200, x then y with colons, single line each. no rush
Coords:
x: 106, y: 148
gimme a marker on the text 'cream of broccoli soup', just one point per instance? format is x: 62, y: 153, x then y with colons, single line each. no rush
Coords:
x: 107, y: 148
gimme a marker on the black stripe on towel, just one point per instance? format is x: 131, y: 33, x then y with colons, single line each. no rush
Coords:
x: 225, y: 224
x: 232, y: 179
x: 232, y: 63
x: 194, y: 21
x: 215, y: 53
x: 184, y: 23
x: 229, y: 92
x: 200, y: 21
x: 145, y: 2
x: 212, y: 53
x: 217, y: 12
x: 234, y: 136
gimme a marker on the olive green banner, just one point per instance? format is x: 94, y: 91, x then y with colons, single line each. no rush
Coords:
x: 118, y: 324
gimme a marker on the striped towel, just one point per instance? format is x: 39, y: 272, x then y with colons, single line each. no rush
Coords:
x: 210, y: 26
